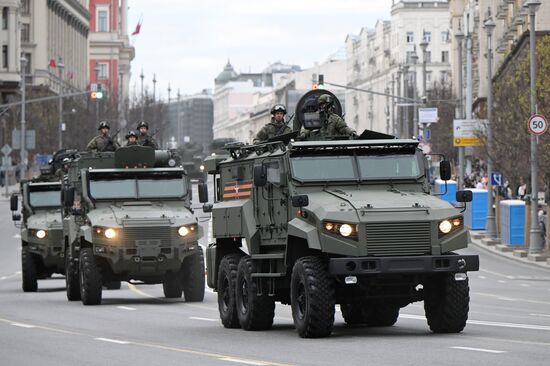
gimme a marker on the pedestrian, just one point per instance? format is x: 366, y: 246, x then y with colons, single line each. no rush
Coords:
x: 131, y: 139
x: 332, y: 124
x: 275, y: 127
x: 102, y: 142
x: 522, y: 190
x: 144, y: 139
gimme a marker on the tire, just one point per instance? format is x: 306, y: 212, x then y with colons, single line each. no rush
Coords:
x: 193, y: 277
x: 29, y: 271
x: 382, y: 315
x: 446, y: 304
x: 353, y: 314
x: 173, y: 284
x: 312, y: 298
x: 227, y: 279
x: 90, y: 278
x: 255, y: 312
x: 72, y: 278
x: 113, y: 285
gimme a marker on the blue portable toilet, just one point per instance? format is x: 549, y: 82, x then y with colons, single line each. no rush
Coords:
x: 512, y: 222
x: 476, y: 211
x: 450, y: 196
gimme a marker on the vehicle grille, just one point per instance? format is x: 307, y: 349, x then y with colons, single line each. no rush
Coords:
x: 402, y: 238
x: 163, y: 233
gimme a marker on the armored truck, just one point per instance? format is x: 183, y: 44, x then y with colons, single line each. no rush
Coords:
x: 319, y: 223
x: 127, y: 217
x: 41, y: 230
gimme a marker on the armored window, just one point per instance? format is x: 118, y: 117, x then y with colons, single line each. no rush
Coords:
x: 45, y: 196
x: 161, y: 187
x: 390, y: 166
x: 323, y: 168
x: 273, y: 172
x: 113, y: 189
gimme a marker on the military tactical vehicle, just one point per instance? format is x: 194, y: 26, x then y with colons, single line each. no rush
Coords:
x: 318, y: 223
x: 127, y: 217
x: 41, y: 228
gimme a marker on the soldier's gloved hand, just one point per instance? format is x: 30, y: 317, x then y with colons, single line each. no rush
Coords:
x: 353, y: 135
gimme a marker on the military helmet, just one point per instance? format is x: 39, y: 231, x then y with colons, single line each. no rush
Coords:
x: 143, y: 124
x: 66, y: 161
x: 325, y: 99
x: 130, y: 134
x: 278, y: 108
x: 103, y: 124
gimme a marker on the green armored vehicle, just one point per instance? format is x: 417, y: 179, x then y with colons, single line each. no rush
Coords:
x: 319, y: 223
x: 127, y: 217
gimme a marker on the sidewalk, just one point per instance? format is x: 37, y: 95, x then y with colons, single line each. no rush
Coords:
x: 14, y: 188
x: 520, y: 254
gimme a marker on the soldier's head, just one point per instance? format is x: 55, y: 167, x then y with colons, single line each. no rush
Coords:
x: 278, y: 112
x: 325, y: 102
x: 131, y: 137
x: 65, y: 163
x: 103, y: 127
x: 143, y: 127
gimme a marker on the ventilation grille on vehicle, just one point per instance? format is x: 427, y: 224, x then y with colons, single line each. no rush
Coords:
x: 163, y: 233
x: 398, y: 238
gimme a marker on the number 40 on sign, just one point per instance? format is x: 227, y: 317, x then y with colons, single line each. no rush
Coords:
x: 537, y: 124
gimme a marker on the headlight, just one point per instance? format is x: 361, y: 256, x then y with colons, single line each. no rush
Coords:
x: 187, y: 229
x: 201, y: 168
x: 41, y: 234
x: 450, y: 225
x: 445, y: 226
x: 346, y: 230
x: 183, y: 231
x: 106, y: 232
x: 110, y: 233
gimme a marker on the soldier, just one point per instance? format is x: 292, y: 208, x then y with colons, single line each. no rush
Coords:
x: 131, y: 138
x: 276, y: 127
x: 102, y: 142
x: 60, y: 173
x: 333, y: 124
x: 144, y: 139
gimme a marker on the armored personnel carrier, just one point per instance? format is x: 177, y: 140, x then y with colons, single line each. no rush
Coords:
x: 319, y: 223
x: 127, y: 217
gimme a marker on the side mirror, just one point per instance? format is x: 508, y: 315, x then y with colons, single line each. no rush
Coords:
x: 445, y: 170
x: 260, y: 175
x: 16, y: 217
x: 300, y: 201
x: 68, y: 197
x: 207, y: 207
x: 14, y: 200
x: 464, y: 196
x: 203, y: 192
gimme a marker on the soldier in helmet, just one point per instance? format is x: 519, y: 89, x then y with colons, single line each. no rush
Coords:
x: 60, y: 173
x: 102, y: 142
x: 131, y: 138
x: 276, y: 127
x: 144, y: 139
x: 332, y: 124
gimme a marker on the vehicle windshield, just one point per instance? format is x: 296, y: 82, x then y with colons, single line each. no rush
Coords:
x: 133, y: 186
x: 45, y: 196
x: 388, y: 166
x: 323, y: 168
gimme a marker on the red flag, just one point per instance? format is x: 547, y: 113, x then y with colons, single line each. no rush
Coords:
x: 138, y: 27
x: 52, y: 63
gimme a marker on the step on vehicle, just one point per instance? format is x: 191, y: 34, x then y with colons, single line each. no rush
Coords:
x: 313, y: 224
x: 127, y: 217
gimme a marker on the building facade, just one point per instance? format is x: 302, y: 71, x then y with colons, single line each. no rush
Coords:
x: 9, y: 39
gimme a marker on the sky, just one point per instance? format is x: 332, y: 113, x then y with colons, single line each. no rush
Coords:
x: 187, y: 42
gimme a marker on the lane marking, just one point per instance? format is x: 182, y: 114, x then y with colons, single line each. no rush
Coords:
x: 126, y: 308
x: 478, y: 349
x: 524, y: 285
x: 10, y: 276
x: 482, y: 277
x: 487, y: 323
x: 543, y: 315
x: 111, y: 340
x: 17, y: 236
x: 506, y: 299
x: 246, y: 362
x: 21, y: 325
x: 205, y: 319
x: 512, y: 299
x: 502, y: 281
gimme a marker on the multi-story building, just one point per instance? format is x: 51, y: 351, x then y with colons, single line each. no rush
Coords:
x: 9, y: 39
x: 382, y: 60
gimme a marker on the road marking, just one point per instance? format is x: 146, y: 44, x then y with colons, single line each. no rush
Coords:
x: 543, y: 315
x: 21, y: 325
x: 125, y: 308
x: 17, y: 236
x: 10, y: 276
x: 510, y: 298
x: 139, y: 292
x: 111, y: 340
x: 506, y: 299
x: 478, y: 349
x: 502, y: 281
x: 487, y: 323
x: 205, y: 319
x: 238, y: 360
x: 524, y: 285
x: 482, y: 277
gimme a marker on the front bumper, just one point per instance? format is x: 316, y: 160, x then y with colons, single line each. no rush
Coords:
x: 402, y: 265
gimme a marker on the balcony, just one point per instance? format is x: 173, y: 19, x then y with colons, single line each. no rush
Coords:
x: 518, y: 20
x: 502, y: 12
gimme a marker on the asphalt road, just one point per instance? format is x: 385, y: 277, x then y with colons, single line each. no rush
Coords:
x: 509, y: 325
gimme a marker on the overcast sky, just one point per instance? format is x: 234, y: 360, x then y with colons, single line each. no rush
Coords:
x: 188, y: 42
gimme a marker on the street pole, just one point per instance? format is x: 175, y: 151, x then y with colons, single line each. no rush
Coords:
x: 96, y: 69
x: 60, y: 67
x: 423, y: 46
x: 535, y: 239
x: 141, y: 76
x: 393, y: 104
x: 490, y: 228
x: 414, y: 58
x: 154, y: 87
x: 23, y: 151
x: 398, y: 126
x: 459, y: 36
x: 469, y: 79
x: 406, y: 133
x: 179, y: 129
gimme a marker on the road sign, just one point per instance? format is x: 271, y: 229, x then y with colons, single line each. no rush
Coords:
x: 496, y: 179
x: 427, y: 115
x: 6, y: 149
x: 30, y: 139
x: 42, y: 159
x: 537, y: 124
x: 427, y: 134
x: 466, y: 132
x: 93, y: 87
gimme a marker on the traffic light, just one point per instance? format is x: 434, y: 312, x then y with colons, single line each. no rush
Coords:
x: 97, y: 95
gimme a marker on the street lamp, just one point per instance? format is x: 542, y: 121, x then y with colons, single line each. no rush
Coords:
x: 141, y: 76
x: 23, y: 151
x: 405, y: 133
x: 97, y: 101
x: 459, y: 37
x: 154, y: 87
x: 414, y: 59
x: 535, y: 239
x: 61, y: 68
x: 423, y: 46
x: 491, y: 230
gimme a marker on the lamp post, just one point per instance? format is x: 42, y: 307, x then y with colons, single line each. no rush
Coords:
x: 179, y: 127
x: 398, y: 118
x: 23, y: 151
x: 535, y: 239
x: 141, y: 76
x: 459, y: 37
x: 423, y: 46
x: 414, y: 59
x: 491, y: 230
x: 97, y: 101
x: 406, y: 132
x: 154, y: 87
x: 61, y: 68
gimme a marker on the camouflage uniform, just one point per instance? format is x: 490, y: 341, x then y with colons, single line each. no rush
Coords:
x: 335, y: 126
x: 147, y: 140
x: 132, y: 143
x: 102, y: 143
x: 272, y: 129
x: 59, y: 173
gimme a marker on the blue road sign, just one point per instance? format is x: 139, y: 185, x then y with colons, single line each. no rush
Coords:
x: 42, y: 159
x: 496, y: 179
x: 427, y: 134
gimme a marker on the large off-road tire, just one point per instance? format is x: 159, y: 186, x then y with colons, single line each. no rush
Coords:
x: 193, y: 277
x: 90, y: 278
x: 29, y: 271
x: 72, y: 278
x: 227, y: 280
x: 382, y: 315
x: 113, y: 285
x: 312, y: 298
x: 353, y: 314
x: 446, y: 304
x: 173, y: 284
x: 255, y: 312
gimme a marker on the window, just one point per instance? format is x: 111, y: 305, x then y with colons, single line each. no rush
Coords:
x: 445, y: 37
x: 392, y: 166
x: 428, y: 36
x: 5, y: 57
x: 444, y: 77
x: 25, y: 7
x: 102, y: 20
x: 5, y: 18
x: 428, y: 77
x: 409, y: 57
x: 445, y: 56
x: 102, y: 71
x: 25, y: 32
x: 410, y: 37
x: 428, y: 56
x: 323, y: 168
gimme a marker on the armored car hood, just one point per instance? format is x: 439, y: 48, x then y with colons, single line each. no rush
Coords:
x: 50, y: 219
x: 173, y: 214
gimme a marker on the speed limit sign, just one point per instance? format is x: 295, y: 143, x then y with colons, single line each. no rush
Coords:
x: 537, y: 124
